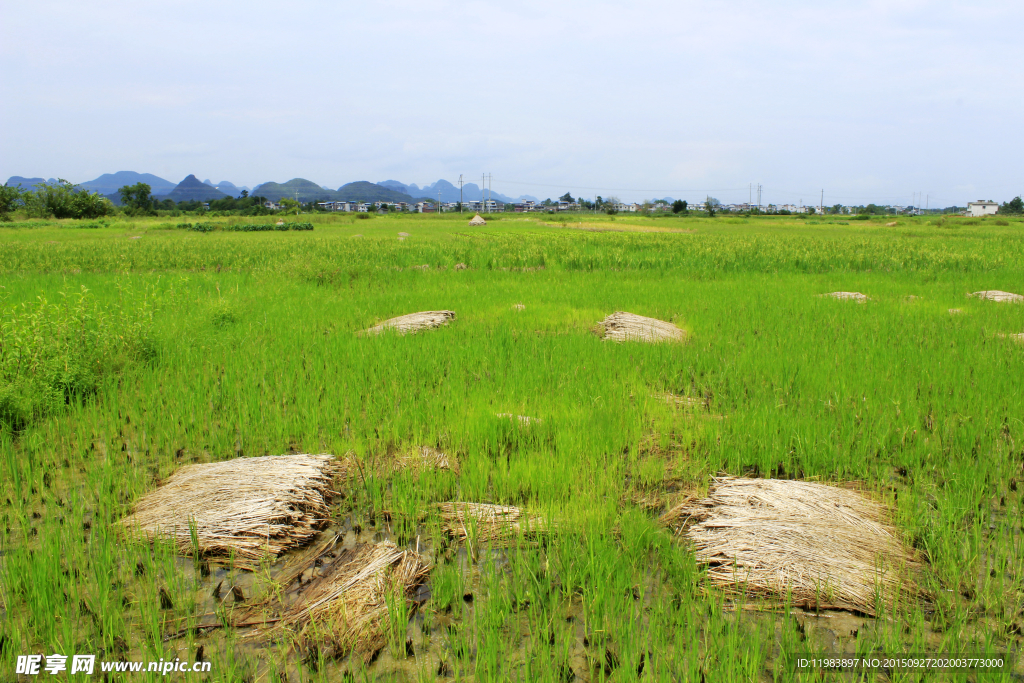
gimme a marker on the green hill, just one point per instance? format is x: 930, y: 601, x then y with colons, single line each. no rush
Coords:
x: 296, y: 188
x: 365, y: 191
x: 193, y: 189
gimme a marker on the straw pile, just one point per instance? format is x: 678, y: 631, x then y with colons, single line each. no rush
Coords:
x: 823, y: 546
x: 345, y: 609
x: 621, y: 326
x: 414, y: 322
x: 250, y: 507
x: 425, y: 458
x: 996, y: 295
x: 492, y: 523
x: 477, y: 220
x: 847, y: 296
x: 524, y: 420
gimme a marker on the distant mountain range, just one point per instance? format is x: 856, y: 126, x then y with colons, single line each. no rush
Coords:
x: 110, y: 183
x: 193, y: 189
x: 304, y: 190
x: 448, y: 192
x: 308, y: 191
x: 29, y: 183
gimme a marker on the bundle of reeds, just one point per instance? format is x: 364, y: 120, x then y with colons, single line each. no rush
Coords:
x: 424, y: 458
x: 414, y: 322
x: 345, y: 609
x: 524, y: 420
x: 249, y: 508
x: 493, y: 524
x: 622, y: 326
x: 820, y: 546
x: 848, y: 296
x: 996, y: 295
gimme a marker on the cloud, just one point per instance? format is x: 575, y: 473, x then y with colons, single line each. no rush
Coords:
x: 866, y: 97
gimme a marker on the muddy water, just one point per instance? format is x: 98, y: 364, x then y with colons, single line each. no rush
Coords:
x: 443, y: 644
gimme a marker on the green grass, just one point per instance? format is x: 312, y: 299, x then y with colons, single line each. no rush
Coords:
x: 254, y: 351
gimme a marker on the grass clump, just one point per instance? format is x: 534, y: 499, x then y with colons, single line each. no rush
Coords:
x: 53, y: 352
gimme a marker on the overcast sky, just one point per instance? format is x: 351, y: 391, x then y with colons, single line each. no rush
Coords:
x: 870, y: 101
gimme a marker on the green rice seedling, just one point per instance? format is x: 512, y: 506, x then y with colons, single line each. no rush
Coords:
x: 915, y: 405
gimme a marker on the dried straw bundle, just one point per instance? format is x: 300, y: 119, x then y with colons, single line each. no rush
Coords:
x: 847, y: 296
x: 996, y: 295
x: 477, y: 220
x: 621, y: 326
x: 425, y: 458
x: 345, y: 608
x: 251, y: 507
x: 493, y: 523
x: 414, y: 322
x: 823, y: 546
x: 524, y: 420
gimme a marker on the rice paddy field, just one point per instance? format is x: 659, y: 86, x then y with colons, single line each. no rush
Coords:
x: 130, y: 349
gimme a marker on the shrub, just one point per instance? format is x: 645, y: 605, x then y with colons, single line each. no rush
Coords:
x: 52, y: 353
x: 248, y: 227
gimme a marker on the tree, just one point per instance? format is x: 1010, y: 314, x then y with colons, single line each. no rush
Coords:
x: 289, y: 205
x: 10, y: 199
x: 137, y: 198
x: 679, y: 206
x: 566, y: 198
x: 245, y: 193
x: 64, y: 200
x: 709, y: 207
x: 1014, y: 207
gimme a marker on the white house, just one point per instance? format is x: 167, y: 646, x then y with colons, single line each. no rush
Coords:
x: 981, y: 208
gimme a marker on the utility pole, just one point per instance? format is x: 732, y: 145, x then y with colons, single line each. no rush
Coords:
x: 460, y: 193
x: 821, y: 204
x: 483, y: 184
x: 439, y: 201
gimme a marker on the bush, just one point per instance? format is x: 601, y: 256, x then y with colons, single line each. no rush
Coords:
x: 64, y: 200
x: 362, y: 216
x: 249, y: 227
x: 54, y: 353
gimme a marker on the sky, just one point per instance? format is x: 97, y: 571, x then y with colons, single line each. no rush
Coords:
x: 864, y: 101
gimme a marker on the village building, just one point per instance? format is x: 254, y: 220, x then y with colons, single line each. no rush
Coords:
x: 982, y: 208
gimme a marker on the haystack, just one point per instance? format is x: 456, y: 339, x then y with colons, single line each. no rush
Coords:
x: 345, y: 608
x: 414, y: 322
x: 477, y: 220
x: 996, y: 295
x: 524, y: 420
x: 494, y: 524
x: 250, y: 507
x: 424, y: 458
x: 822, y: 546
x: 847, y: 296
x: 621, y: 326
